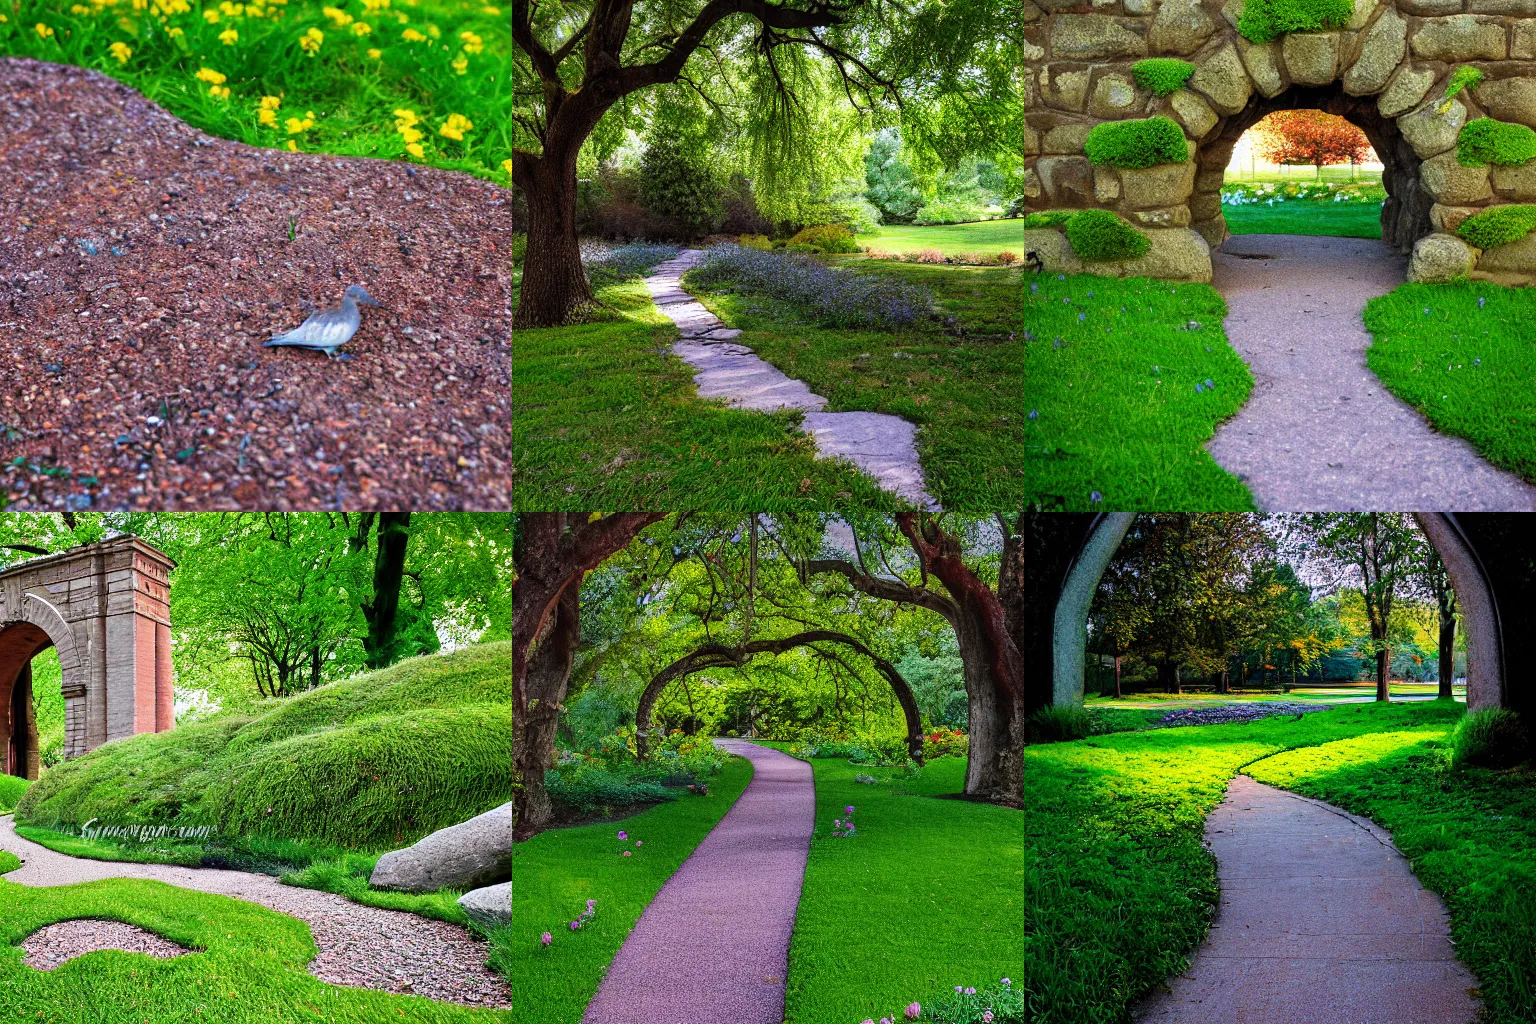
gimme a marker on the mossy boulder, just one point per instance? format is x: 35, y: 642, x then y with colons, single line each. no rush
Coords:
x: 1145, y: 142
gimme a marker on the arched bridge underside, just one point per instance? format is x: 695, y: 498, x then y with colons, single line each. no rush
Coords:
x: 105, y: 607
x: 1491, y: 558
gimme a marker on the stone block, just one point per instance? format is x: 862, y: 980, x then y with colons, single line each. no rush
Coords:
x: 1262, y: 63
x: 1106, y: 184
x: 1181, y: 26
x: 1094, y: 36
x: 1051, y: 246
x: 1166, y: 217
x: 1405, y: 91
x: 1516, y: 257
x: 1210, y: 179
x: 1460, y: 37
x: 1031, y: 141
x: 1449, y: 218
x: 1193, y: 113
x: 1032, y: 187
x: 1510, y: 99
x: 1514, y: 8
x: 1065, y: 139
x: 1065, y: 86
x: 1452, y: 184
x: 1223, y: 80
x: 1431, y: 131
x: 1031, y: 52
x: 1429, y: 8
x: 1205, y: 205
x: 1311, y: 58
x: 1177, y: 254
x: 473, y: 853
x: 1164, y: 185
x: 1381, y: 51
x: 1440, y: 257
x: 1362, y: 16
x: 1518, y: 183
x: 1115, y: 96
x: 1066, y: 180
x: 490, y: 907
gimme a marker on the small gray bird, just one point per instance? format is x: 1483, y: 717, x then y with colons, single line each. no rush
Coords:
x: 331, y: 328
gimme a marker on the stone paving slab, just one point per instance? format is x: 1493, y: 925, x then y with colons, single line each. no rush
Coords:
x: 713, y: 946
x: 1321, y: 921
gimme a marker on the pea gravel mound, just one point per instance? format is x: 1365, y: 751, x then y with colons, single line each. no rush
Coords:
x: 55, y: 945
x: 142, y: 266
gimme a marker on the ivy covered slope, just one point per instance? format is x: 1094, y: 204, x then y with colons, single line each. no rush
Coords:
x: 373, y: 762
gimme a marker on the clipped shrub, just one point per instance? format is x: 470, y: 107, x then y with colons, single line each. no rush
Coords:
x: 1049, y: 218
x: 829, y: 296
x: 1098, y: 236
x: 951, y: 210
x: 830, y: 238
x: 755, y: 242
x: 1006, y: 257
x: 1486, y: 141
x: 1498, y: 225
x: 1464, y: 77
x: 1266, y: 20
x: 1136, y: 144
x: 1491, y: 738
x: 927, y: 256
x: 1162, y: 76
x: 680, y: 182
x: 1059, y: 722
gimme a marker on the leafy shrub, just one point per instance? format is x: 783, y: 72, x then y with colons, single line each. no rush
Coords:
x: 679, y: 182
x: 1486, y: 141
x: 1137, y: 144
x: 1491, y: 738
x: 969, y: 1006
x: 890, y: 184
x: 829, y: 238
x: 1049, y: 218
x: 611, y: 773
x: 1464, y: 77
x: 585, y: 784
x: 946, y: 743
x: 1162, y: 75
x: 830, y: 297
x: 884, y: 750
x: 927, y: 256
x: 1265, y: 20
x: 951, y: 210
x: 11, y: 790
x: 755, y: 242
x: 1100, y: 235
x: 1059, y: 722
x: 519, y: 248
x: 1498, y: 225
x: 1006, y: 257
x: 607, y: 265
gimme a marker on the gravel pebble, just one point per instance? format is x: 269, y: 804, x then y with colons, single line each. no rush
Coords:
x: 55, y: 945
x: 142, y: 266
x: 1238, y: 712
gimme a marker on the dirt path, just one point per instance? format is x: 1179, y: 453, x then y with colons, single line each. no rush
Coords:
x: 361, y: 947
x: 1321, y: 921
x: 881, y: 445
x: 1320, y: 432
x: 714, y: 943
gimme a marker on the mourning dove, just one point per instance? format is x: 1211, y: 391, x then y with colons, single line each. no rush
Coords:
x: 331, y: 328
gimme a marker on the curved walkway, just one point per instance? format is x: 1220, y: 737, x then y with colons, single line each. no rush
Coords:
x: 714, y: 943
x: 881, y: 445
x: 1320, y: 431
x: 360, y: 947
x: 1321, y: 922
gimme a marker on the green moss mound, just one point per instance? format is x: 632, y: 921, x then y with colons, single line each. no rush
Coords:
x: 1498, y: 225
x: 1137, y: 144
x: 1464, y: 77
x: 1099, y: 236
x: 371, y: 762
x: 1486, y: 141
x: 1049, y: 218
x: 1265, y: 20
x: 11, y: 790
x: 1162, y: 76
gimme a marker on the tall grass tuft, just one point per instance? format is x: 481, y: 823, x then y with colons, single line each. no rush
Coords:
x: 1060, y: 722
x: 1491, y: 738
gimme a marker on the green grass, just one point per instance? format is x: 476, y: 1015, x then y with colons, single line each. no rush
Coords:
x: 606, y: 416
x: 11, y: 790
x: 925, y: 898
x: 1334, y: 172
x: 370, y: 763
x: 249, y: 965
x: 1118, y: 887
x: 1108, y: 422
x: 989, y: 236
x: 1467, y: 368
x: 1305, y: 217
x: 349, y: 95
x: 1300, y: 695
x: 556, y: 872
x: 8, y: 862
x: 964, y: 392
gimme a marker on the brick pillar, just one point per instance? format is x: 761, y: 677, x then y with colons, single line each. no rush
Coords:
x: 165, y: 702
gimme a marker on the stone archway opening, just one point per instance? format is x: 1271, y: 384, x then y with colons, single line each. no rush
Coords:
x: 19, y: 644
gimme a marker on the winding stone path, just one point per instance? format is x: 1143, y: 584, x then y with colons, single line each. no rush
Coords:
x: 1321, y: 922
x: 881, y: 445
x: 1320, y: 432
x: 714, y: 943
x: 359, y: 946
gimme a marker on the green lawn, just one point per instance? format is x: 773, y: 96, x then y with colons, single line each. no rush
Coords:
x: 250, y: 965
x: 1300, y: 695
x: 1466, y: 366
x: 1113, y: 368
x: 556, y: 872
x: 965, y: 392
x: 1304, y: 175
x: 431, y: 58
x: 989, y: 236
x: 1305, y: 217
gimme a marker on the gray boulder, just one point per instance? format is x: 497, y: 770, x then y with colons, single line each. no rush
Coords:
x: 474, y: 853
x: 490, y: 907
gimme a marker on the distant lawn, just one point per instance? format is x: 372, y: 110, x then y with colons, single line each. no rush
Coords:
x: 1112, y: 371
x: 1467, y: 368
x: 1303, y: 175
x: 1305, y: 217
x: 990, y: 236
x: 1300, y: 695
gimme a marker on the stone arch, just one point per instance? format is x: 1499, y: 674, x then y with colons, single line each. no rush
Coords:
x: 1386, y: 70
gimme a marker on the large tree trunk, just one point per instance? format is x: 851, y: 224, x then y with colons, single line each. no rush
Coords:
x: 1166, y: 679
x: 549, y: 670
x: 388, y: 572
x: 1383, y: 663
x: 1118, y: 694
x: 1447, y: 648
x: 555, y: 289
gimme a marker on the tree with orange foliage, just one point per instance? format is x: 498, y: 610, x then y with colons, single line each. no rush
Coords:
x: 1310, y: 137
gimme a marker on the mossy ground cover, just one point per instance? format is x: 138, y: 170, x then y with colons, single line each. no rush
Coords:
x: 341, y: 75
x: 1114, y: 418
x: 249, y: 965
x: 989, y: 236
x: 11, y: 790
x: 1305, y: 217
x: 1461, y: 354
x: 556, y: 872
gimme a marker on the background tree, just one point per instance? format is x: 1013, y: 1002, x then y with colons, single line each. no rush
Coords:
x: 1310, y: 137
x: 1436, y: 582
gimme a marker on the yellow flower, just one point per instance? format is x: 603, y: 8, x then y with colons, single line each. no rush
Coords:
x: 120, y: 51
x: 408, y: 117
x: 174, y: 31
x: 455, y: 127
x: 375, y: 54
x: 415, y: 150
x: 221, y: 91
x: 232, y: 9
x: 270, y: 102
x: 461, y: 65
x: 375, y: 5
x: 310, y: 41
x: 211, y: 16
x: 43, y: 31
x: 492, y: 11
x: 410, y: 35
x: 410, y: 134
x: 361, y: 28
x: 339, y: 16
x: 266, y: 117
x: 210, y: 76
x: 434, y: 32
x: 295, y: 125
x: 402, y: 17
x: 293, y: 146
x: 472, y: 42
x: 78, y: 9
x: 229, y: 37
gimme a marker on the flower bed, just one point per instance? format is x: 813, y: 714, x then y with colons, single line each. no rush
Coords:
x: 1244, y: 193
x: 828, y: 296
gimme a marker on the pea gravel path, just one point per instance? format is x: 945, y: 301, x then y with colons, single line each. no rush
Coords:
x: 54, y: 945
x: 713, y: 946
x: 361, y: 947
x: 881, y: 445
x: 1321, y: 921
x: 1320, y: 432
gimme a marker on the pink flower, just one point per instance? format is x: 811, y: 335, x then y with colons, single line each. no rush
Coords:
x: 867, y: 1021
x: 986, y: 1018
x: 850, y: 810
x: 885, y: 1020
x: 639, y: 842
x: 591, y: 904
x: 575, y: 925
x: 623, y: 834
x: 626, y: 853
x: 959, y: 989
x: 914, y: 1011
x: 1007, y: 982
x: 546, y: 938
x: 970, y: 991
x: 836, y: 823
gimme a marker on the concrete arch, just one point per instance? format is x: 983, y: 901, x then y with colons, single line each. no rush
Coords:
x: 1461, y: 541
